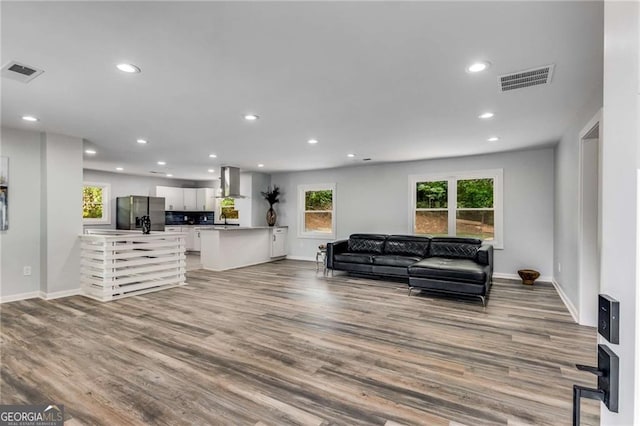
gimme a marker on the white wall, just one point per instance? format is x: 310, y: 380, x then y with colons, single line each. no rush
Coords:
x: 21, y: 242
x: 566, y: 223
x: 621, y: 137
x: 123, y: 185
x: 259, y: 183
x: 63, y: 174
x: 375, y: 198
x: 45, y: 207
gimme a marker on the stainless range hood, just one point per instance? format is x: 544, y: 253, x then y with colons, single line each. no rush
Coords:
x: 230, y: 182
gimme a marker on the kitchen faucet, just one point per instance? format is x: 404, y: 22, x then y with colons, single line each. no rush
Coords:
x: 222, y: 215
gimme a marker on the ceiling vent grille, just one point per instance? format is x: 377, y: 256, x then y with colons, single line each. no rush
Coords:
x: 20, y: 72
x: 526, y: 78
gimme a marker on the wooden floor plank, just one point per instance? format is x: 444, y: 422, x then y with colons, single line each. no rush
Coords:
x: 278, y: 344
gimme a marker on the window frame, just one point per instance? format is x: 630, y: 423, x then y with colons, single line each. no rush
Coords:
x: 106, y: 204
x: 452, y: 199
x: 302, y: 190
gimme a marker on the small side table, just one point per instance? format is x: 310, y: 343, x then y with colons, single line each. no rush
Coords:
x: 321, y: 256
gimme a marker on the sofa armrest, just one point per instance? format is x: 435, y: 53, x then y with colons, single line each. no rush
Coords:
x: 485, y: 255
x: 334, y: 248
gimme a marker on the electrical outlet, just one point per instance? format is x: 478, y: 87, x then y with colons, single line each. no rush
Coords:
x: 559, y: 267
x: 26, y: 271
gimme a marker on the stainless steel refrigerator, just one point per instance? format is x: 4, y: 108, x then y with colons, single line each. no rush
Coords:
x: 131, y: 209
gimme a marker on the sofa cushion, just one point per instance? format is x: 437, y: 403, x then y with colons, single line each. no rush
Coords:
x: 353, y: 258
x: 401, y: 261
x: 366, y: 243
x: 459, y: 248
x: 449, y: 269
x: 407, y: 245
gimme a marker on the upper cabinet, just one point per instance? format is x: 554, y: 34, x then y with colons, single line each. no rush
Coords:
x: 205, y: 199
x: 187, y: 199
x: 190, y: 199
x: 173, y: 197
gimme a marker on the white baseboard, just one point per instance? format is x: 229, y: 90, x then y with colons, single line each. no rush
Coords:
x: 41, y: 295
x: 308, y: 259
x: 59, y: 294
x: 21, y: 296
x: 567, y: 302
x: 516, y: 277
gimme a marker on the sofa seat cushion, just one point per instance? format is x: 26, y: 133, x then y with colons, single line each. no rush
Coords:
x: 450, y: 269
x: 407, y: 245
x: 401, y: 261
x: 353, y: 258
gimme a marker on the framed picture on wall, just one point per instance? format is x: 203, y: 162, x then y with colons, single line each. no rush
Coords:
x: 4, y: 193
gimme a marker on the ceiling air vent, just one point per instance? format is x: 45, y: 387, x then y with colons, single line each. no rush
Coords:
x: 526, y: 78
x: 20, y: 72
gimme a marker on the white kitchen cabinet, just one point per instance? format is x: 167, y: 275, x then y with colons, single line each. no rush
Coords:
x: 205, y: 199
x: 173, y: 197
x: 196, y: 240
x: 278, y: 242
x: 190, y: 240
x: 190, y: 199
x: 187, y: 199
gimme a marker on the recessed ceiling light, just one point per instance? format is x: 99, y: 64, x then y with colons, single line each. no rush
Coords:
x: 211, y: 170
x: 162, y: 163
x: 493, y: 139
x: 260, y: 165
x: 251, y: 117
x: 169, y: 175
x: 351, y: 155
x: 312, y: 141
x: 142, y: 141
x: 130, y: 68
x: 30, y: 118
x: 90, y: 151
x: 486, y: 115
x: 478, y: 66
x: 119, y: 169
x: 213, y: 156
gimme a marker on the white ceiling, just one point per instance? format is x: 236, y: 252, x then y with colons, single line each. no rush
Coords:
x: 384, y: 80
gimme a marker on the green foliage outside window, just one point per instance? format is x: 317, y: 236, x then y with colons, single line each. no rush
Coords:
x: 432, y: 195
x: 228, y: 208
x: 318, y: 200
x: 475, y: 193
x: 92, y: 202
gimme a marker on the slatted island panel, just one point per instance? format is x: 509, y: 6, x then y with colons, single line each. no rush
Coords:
x: 117, y: 264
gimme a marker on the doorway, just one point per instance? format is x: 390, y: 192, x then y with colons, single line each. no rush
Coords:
x: 589, y: 241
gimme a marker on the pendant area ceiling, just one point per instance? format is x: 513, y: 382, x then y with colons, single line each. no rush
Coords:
x: 381, y: 80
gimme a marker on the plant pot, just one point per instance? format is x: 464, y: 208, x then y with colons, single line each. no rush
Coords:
x: 271, y: 216
x: 528, y: 276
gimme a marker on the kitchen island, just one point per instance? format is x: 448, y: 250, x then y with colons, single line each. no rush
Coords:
x: 118, y: 263
x: 229, y: 247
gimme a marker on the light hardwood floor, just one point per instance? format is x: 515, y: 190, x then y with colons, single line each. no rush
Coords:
x: 280, y: 344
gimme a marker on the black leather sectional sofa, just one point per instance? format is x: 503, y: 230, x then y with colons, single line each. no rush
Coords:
x: 462, y: 266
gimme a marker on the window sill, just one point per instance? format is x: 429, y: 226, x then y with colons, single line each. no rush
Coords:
x: 318, y: 236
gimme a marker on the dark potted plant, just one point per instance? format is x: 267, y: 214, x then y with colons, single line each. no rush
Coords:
x: 271, y: 195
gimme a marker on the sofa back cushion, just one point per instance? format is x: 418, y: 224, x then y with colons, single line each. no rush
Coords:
x: 454, y: 247
x: 407, y: 245
x: 366, y: 243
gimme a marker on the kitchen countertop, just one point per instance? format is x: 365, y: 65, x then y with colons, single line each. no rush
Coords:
x: 236, y: 228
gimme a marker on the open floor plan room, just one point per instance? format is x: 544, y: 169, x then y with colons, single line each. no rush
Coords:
x: 280, y: 343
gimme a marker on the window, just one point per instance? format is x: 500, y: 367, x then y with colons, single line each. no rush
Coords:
x: 228, y: 209
x: 467, y: 204
x: 316, y: 211
x: 95, y: 203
